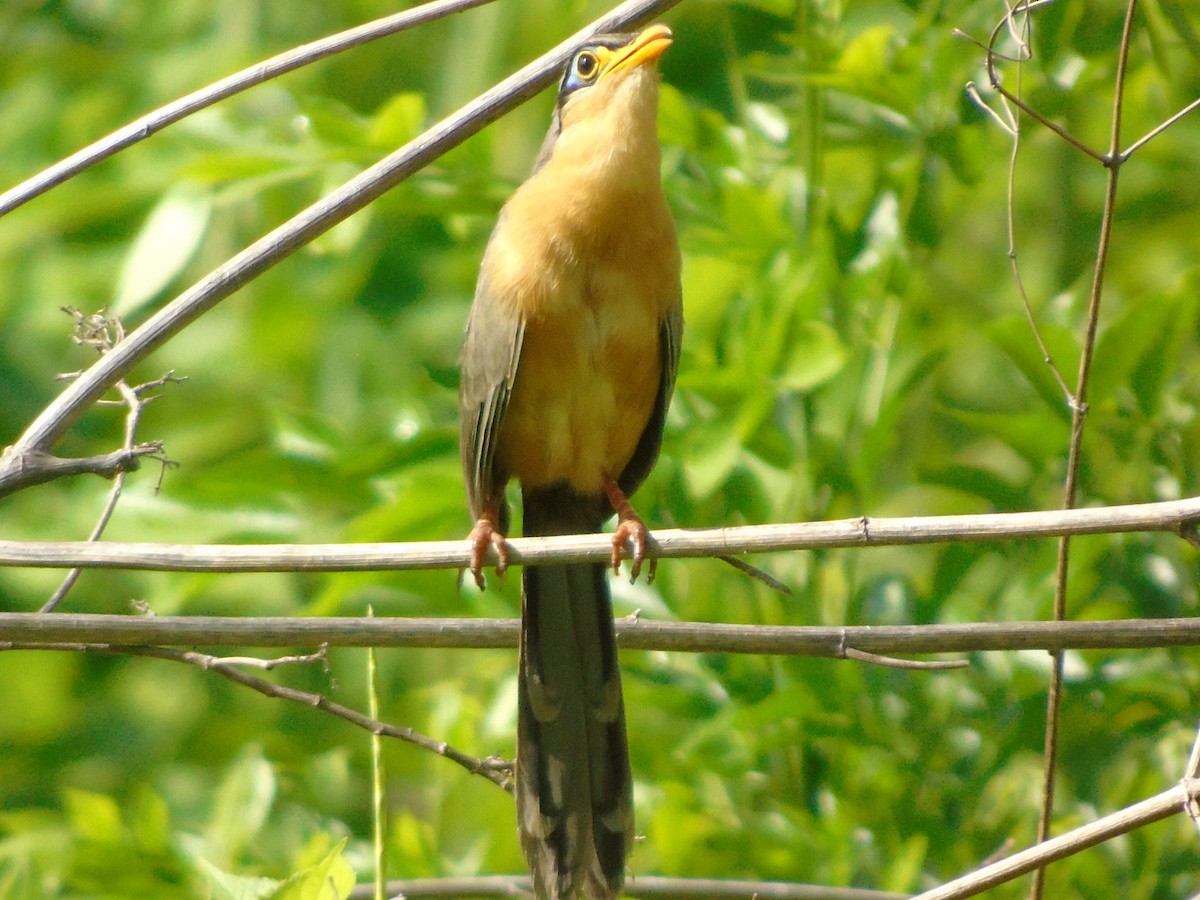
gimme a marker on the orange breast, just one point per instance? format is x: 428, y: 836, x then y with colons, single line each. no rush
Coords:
x: 593, y: 301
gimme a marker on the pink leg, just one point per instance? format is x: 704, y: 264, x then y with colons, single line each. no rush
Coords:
x: 486, y: 532
x: 630, y: 527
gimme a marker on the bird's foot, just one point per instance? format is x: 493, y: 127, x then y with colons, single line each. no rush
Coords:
x: 485, y: 533
x: 631, y: 528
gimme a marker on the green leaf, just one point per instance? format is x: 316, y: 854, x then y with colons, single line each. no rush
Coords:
x: 904, y: 869
x: 399, y: 120
x: 94, y: 817
x: 150, y: 820
x: 243, y: 800
x: 1182, y: 22
x: 226, y: 886
x: 330, y: 879
x: 817, y: 354
x: 712, y: 455
x: 1013, y: 336
x: 1143, y: 331
x: 166, y: 243
x: 1026, y: 433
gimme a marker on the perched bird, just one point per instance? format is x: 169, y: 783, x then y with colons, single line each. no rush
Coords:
x: 568, y: 365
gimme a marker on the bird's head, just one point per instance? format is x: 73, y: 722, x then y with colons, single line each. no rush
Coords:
x: 608, y: 97
x: 605, y: 60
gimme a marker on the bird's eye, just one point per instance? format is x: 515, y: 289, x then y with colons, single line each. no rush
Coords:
x: 586, y: 65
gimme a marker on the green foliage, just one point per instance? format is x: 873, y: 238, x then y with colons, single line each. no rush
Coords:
x: 855, y: 345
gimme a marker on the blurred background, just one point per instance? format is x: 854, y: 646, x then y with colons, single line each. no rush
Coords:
x: 855, y: 345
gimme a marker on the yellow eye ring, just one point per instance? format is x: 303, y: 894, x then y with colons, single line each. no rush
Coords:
x: 586, y: 65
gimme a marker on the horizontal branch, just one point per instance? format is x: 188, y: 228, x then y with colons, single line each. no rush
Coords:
x: 1140, y: 814
x: 635, y: 886
x: 832, y: 642
x: 1146, y: 812
x: 38, y: 467
x: 1176, y: 516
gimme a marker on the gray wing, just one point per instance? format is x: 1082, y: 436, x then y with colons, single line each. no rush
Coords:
x: 646, y: 453
x: 490, y: 354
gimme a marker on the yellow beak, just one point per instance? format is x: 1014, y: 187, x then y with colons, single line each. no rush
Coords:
x: 648, y: 46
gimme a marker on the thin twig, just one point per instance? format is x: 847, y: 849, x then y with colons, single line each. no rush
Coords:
x: 103, y: 332
x: 1157, y: 130
x: 495, y: 770
x: 1005, y: 122
x: 891, y: 662
x: 1191, y: 773
x: 994, y: 80
x: 155, y: 121
x: 1014, y: 129
x: 1192, y: 769
x: 757, y: 574
x: 254, y: 662
x: 378, y: 779
x: 1075, y: 451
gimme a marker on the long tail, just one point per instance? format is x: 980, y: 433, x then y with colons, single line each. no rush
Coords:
x: 574, y: 797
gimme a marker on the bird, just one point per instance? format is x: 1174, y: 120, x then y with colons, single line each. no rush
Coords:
x: 567, y: 368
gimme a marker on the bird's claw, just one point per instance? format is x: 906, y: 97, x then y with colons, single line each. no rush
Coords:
x: 485, y: 534
x: 631, y: 528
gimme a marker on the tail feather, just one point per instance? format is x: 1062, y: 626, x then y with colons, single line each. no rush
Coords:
x: 574, y: 797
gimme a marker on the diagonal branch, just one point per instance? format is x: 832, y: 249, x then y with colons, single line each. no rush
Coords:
x: 155, y: 121
x: 1154, y: 809
x: 1158, y: 129
x: 993, y: 56
x: 1191, y: 776
x: 372, y: 183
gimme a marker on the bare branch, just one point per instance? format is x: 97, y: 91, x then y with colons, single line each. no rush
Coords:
x: 23, y: 469
x: 379, y: 805
x: 255, y: 662
x: 1157, y: 130
x: 757, y: 574
x: 1004, y: 122
x: 891, y: 662
x: 993, y: 56
x: 153, y: 122
x: 1154, y: 809
x: 1191, y: 777
x: 1014, y: 130
x: 1175, y: 516
x: 635, y: 886
x: 1075, y: 446
x: 352, y: 196
x: 102, y: 332
x: 829, y: 642
x: 1192, y: 770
